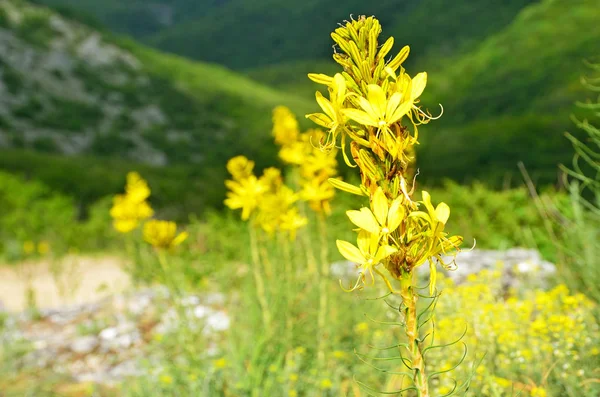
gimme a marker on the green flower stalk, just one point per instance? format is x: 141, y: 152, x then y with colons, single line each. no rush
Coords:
x: 373, y: 110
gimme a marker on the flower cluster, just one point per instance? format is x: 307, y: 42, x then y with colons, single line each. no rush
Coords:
x: 163, y: 234
x: 267, y: 199
x: 315, y: 165
x: 373, y: 104
x: 532, y: 343
x: 131, y: 208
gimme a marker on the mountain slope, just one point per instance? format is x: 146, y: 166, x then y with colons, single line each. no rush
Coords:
x: 68, y: 89
x: 509, y: 99
x: 246, y: 35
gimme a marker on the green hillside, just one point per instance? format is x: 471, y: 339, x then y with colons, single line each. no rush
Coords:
x: 509, y: 99
x: 246, y: 35
x: 71, y: 90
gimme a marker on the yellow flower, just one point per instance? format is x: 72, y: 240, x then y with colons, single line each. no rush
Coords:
x: 163, y: 234
x: 43, y: 247
x: 137, y: 188
x: 131, y: 208
x: 240, y: 167
x: 538, y: 392
x: 244, y: 194
x: 361, y: 328
x: 368, y: 254
x: 383, y: 220
x: 285, y: 126
x: 291, y: 221
x: 379, y: 111
x: 333, y: 118
x: 318, y: 194
x: 220, y: 363
x: 28, y: 247
x: 166, y: 379
x: 326, y: 384
x: 293, y: 393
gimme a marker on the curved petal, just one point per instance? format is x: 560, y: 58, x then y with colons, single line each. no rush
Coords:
x: 380, y: 206
x: 325, y: 105
x: 350, y: 252
x: 442, y: 212
x: 365, y: 220
x: 377, y: 99
x: 399, y: 112
x: 395, y: 214
x: 383, y: 252
x: 360, y: 117
x: 418, y: 85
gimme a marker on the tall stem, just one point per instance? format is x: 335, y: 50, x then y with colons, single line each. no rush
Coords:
x: 260, y: 286
x: 409, y: 298
x: 288, y: 280
x: 324, y: 277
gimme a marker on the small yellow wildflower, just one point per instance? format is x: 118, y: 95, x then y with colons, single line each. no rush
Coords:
x: 339, y: 354
x: 240, y: 167
x: 163, y: 234
x: 538, y: 392
x: 293, y: 393
x: 326, y: 384
x: 130, y: 208
x: 293, y: 377
x: 361, y: 327
x: 220, y: 363
x: 28, y: 247
x: 166, y: 379
x: 43, y: 247
x: 300, y: 350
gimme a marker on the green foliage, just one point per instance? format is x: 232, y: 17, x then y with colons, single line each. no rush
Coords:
x: 579, y: 228
x: 498, y: 219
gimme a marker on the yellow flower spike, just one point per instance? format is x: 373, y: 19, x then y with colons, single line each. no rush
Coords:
x: 291, y: 221
x: 130, y: 208
x: 368, y: 254
x: 245, y: 194
x: 163, y: 234
x: 346, y: 187
x: 240, y: 167
x: 285, y: 126
x: 137, y: 188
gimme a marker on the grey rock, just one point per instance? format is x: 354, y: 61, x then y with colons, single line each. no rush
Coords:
x: 84, y: 344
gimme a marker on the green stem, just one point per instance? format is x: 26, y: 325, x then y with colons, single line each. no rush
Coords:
x: 288, y: 280
x: 409, y: 298
x: 260, y: 286
x: 323, y: 279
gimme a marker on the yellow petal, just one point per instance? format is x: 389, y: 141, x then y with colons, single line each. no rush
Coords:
x: 383, y: 252
x: 380, y: 206
x: 427, y: 202
x: 399, y: 112
x: 442, y: 212
x: 325, y: 105
x: 320, y: 119
x: 418, y: 85
x: 339, y: 88
x: 393, y: 104
x: 432, y: 276
x: 179, y: 239
x: 364, y: 219
x: 395, y: 214
x: 320, y: 78
x: 377, y: 99
x: 346, y: 187
x: 350, y: 252
x: 360, y: 117
x: 367, y: 242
